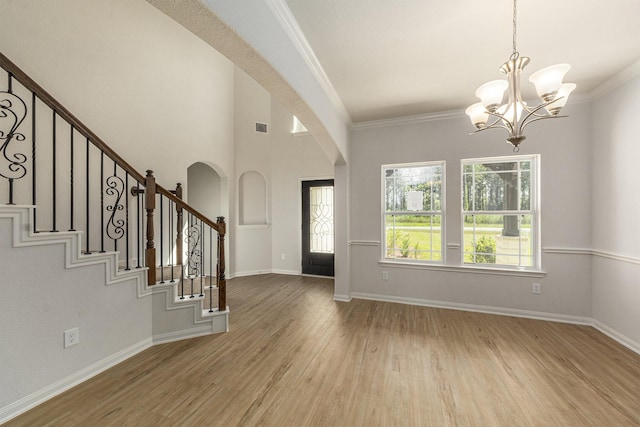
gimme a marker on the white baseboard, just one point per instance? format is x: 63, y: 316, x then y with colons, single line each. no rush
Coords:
x: 537, y: 315
x: 20, y: 406
x: 265, y: 271
x: 617, y: 336
x: 198, y: 331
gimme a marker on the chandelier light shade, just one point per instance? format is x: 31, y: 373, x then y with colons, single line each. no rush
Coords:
x: 515, y: 114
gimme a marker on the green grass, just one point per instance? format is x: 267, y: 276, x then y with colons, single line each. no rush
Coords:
x: 424, y: 244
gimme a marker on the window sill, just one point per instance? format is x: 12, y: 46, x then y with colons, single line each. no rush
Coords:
x: 464, y: 268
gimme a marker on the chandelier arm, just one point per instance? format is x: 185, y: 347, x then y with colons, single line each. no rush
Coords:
x: 532, y: 113
x: 537, y: 118
x: 506, y: 124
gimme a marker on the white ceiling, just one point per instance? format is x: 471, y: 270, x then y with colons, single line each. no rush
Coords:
x: 394, y: 58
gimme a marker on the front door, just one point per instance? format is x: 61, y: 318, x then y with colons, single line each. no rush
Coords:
x: 317, y: 227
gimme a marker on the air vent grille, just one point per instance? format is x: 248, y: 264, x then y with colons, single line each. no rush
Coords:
x: 261, y: 127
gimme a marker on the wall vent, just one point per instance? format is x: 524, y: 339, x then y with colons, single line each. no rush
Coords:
x: 261, y: 127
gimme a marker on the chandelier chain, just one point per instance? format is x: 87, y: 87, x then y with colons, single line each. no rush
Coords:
x: 515, y: 50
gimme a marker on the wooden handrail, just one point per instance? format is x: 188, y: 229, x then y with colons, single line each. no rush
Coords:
x: 181, y: 204
x: 61, y: 111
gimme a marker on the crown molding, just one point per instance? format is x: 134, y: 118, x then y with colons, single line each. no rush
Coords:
x: 408, y: 120
x: 619, y: 79
x: 293, y: 31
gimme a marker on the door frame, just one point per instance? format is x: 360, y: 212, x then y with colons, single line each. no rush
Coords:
x: 300, y: 181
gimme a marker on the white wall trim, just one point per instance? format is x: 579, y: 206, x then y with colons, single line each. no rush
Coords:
x: 617, y: 336
x: 168, y: 337
x: 342, y: 298
x: 617, y: 257
x: 293, y: 31
x: 537, y: 315
x: 408, y: 120
x: 20, y: 406
x: 364, y: 242
x: 593, y: 252
x: 265, y: 271
x: 462, y: 269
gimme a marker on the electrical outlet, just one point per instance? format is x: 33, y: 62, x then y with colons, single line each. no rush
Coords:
x: 71, y: 337
x: 284, y: 256
x: 385, y: 275
x: 535, y: 288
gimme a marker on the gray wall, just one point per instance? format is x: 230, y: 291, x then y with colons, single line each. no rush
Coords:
x: 565, y: 220
x: 616, y: 211
x: 283, y: 160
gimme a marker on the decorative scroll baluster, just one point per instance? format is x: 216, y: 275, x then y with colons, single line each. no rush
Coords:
x: 13, y: 110
x: 203, y: 257
x: 179, y: 224
x: 194, y: 254
x: 115, y: 226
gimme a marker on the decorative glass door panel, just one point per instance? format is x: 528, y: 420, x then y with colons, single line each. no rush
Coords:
x: 317, y: 228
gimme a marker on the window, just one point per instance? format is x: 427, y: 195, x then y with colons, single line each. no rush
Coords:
x: 499, y: 211
x: 413, y: 211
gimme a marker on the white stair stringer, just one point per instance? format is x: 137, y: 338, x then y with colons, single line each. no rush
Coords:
x: 173, y: 328
x: 205, y: 322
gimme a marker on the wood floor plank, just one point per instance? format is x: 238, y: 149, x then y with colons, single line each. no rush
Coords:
x: 295, y: 357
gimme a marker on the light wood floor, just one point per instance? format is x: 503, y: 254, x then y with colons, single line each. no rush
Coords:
x: 294, y: 357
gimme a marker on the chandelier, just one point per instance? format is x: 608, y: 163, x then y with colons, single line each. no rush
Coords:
x: 515, y: 114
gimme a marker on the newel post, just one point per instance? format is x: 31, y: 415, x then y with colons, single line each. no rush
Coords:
x: 222, y: 281
x: 178, y: 194
x: 150, y: 206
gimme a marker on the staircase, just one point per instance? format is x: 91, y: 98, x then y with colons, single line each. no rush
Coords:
x: 63, y: 188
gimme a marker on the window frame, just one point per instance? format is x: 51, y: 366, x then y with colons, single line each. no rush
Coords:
x: 533, y: 211
x: 442, y: 213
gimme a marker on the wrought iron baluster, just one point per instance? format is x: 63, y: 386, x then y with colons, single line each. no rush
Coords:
x: 210, y: 269
x: 102, y: 227
x: 126, y: 218
x: 182, y: 282
x: 87, y: 200
x: 33, y: 159
x: 71, y: 228
x: 210, y: 257
x: 139, y: 229
x: 53, y: 181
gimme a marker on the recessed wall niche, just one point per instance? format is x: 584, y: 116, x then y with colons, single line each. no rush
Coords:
x: 252, y: 199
